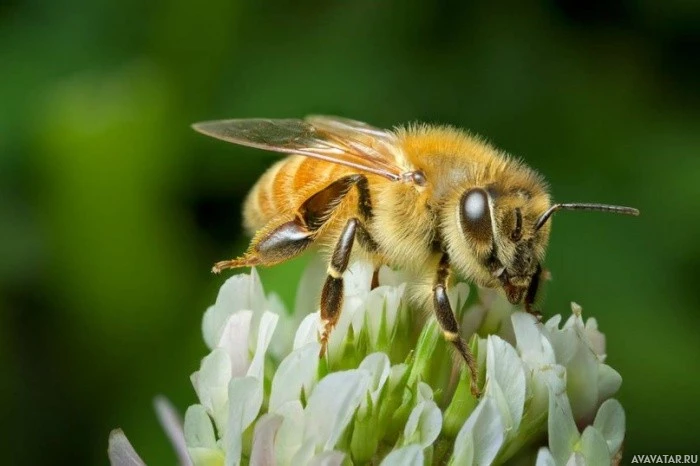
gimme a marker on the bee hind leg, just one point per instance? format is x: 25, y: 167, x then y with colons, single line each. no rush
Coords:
x: 272, y: 245
x: 448, y: 322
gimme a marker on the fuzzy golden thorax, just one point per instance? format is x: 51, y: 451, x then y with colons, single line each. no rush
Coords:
x: 486, y: 206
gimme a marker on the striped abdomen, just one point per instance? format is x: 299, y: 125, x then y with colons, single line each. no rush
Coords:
x: 285, y: 186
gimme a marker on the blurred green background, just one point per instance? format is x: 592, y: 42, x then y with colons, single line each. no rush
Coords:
x: 112, y: 210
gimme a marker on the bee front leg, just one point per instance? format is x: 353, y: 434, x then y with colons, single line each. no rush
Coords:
x: 531, y: 294
x: 448, y: 322
x: 332, y: 294
x: 375, y: 279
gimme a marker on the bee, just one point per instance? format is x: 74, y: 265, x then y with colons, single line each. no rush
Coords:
x: 426, y: 199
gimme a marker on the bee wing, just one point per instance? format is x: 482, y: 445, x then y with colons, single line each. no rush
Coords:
x: 348, y: 126
x: 335, y: 140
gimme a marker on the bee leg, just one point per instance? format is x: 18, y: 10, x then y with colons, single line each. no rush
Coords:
x: 375, y: 279
x: 531, y: 294
x: 317, y: 209
x: 448, y: 322
x: 332, y: 293
x: 277, y: 243
x: 272, y: 245
x: 369, y: 245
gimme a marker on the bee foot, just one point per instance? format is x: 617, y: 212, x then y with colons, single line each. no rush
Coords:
x: 474, y: 388
x: 234, y: 264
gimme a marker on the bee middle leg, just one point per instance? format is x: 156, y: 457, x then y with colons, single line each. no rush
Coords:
x: 332, y: 293
x: 448, y: 322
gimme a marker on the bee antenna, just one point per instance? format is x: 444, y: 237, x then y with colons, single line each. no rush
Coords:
x: 616, y: 209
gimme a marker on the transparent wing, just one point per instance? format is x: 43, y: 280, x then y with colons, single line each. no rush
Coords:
x: 347, y: 126
x: 335, y: 140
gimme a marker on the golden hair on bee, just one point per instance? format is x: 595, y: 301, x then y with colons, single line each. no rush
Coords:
x: 426, y: 199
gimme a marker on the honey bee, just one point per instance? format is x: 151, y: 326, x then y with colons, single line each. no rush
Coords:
x: 425, y: 199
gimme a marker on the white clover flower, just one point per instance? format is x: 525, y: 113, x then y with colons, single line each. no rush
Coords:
x: 390, y: 391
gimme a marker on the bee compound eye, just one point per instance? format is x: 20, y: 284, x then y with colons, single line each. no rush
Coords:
x: 475, y: 215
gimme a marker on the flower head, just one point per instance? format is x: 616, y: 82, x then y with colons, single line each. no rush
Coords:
x: 389, y: 390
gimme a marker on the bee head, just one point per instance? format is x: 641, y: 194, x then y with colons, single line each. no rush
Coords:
x: 498, y: 237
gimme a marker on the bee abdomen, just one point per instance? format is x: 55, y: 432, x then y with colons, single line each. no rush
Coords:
x: 284, y: 187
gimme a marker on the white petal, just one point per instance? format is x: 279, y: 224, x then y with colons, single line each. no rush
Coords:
x: 458, y: 295
x: 610, y: 422
x: 581, y: 371
x: 424, y: 392
x: 308, y: 330
x: 172, y: 425
x: 245, y: 394
x: 212, y: 323
x: 211, y: 384
x: 463, y: 453
x: 297, y: 372
x: 424, y: 424
x: 544, y: 458
x: 594, y: 447
x: 576, y: 459
x: 286, y: 327
x: 290, y: 434
x: 235, y: 339
x: 481, y: 437
x: 199, y: 431
x: 527, y: 335
x: 553, y: 322
x: 358, y: 278
x: 309, y: 289
x: 352, y: 314
x: 410, y: 455
x: 543, y: 381
x: 411, y: 426
x: 472, y: 320
x: 379, y: 367
x: 396, y: 375
x: 263, y: 449
x: 595, y: 338
x: 609, y: 381
x: 304, y: 453
x: 565, y: 343
x: 332, y: 404
x: 381, y: 303
x: 207, y: 456
x: 240, y: 292
x: 120, y: 451
x: 505, y: 381
x: 563, y: 433
x: 389, y: 277
x: 548, y: 355
x: 488, y: 435
x: 328, y: 458
x: 265, y: 331
x: 533, y: 346
x: 498, y: 312
x: 245, y: 399
x: 575, y: 320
